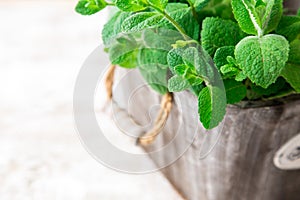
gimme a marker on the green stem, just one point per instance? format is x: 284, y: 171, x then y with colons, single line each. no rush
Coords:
x: 195, y: 14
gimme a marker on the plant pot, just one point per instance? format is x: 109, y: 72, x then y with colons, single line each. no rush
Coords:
x: 240, y: 166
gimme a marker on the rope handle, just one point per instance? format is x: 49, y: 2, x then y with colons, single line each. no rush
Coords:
x: 109, y: 81
x: 161, y: 119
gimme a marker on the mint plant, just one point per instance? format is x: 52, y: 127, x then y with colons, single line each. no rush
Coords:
x: 238, y: 50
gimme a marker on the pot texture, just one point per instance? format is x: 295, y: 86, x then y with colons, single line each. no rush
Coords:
x: 240, y: 166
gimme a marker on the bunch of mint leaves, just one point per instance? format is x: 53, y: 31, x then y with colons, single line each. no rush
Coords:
x: 224, y: 51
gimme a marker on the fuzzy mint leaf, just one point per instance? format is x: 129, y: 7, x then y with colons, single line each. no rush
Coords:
x: 244, y: 13
x: 131, y: 6
x: 189, y: 74
x: 217, y: 32
x: 199, y: 60
x: 113, y: 27
x: 294, y: 55
x: 174, y: 58
x: 89, y: 7
x: 177, y: 84
x: 229, y: 70
x: 181, y: 62
x: 291, y: 73
x: 240, y: 76
x: 235, y: 91
x: 157, y: 79
x: 182, y: 14
x: 221, y: 55
x: 199, y: 4
x: 140, y: 21
x: 159, y: 38
x: 257, y: 17
x: 289, y: 27
x: 123, y: 51
x: 149, y: 59
x: 262, y: 58
x: 271, y: 15
x: 211, y: 106
x: 216, y: 8
x: 171, y: 7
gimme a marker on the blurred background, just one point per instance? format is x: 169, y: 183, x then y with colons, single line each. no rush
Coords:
x: 43, y: 44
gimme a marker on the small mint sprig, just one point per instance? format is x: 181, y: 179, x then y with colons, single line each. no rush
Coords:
x: 263, y: 56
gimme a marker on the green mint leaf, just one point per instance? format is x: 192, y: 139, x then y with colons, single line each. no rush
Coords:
x: 272, y: 13
x: 199, y: 4
x: 294, y: 55
x: 260, y: 3
x: 211, y: 106
x: 272, y: 89
x: 221, y: 55
x: 182, y: 14
x: 149, y: 59
x: 159, y: 38
x: 158, y: 3
x: 177, y: 59
x: 157, y: 79
x: 231, y: 60
x: 240, y: 76
x: 291, y: 73
x: 177, y: 84
x: 216, y: 8
x: 131, y: 6
x: 140, y: 21
x: 89, y: 7
x: 199, y: 60
x: 257, y: 17
x: 126, y: 60
x: 218, y: 32
x: 289, y: 27
x: 123, y: 51
x: 189, y: 74
x: 235, y: 91
x: 298, y: 13
x: 171, y: 7
x: 181, y: 70
x: 229, y: 70
x: 174, y: 58
x: 262, y: 58
x: 113, y: 27
x: 244, y: 12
